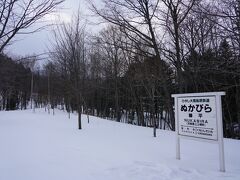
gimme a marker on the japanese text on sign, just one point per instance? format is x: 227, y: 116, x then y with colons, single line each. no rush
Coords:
x: 197, y: 117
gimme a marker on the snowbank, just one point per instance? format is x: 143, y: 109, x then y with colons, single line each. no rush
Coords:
x: 39, y: 146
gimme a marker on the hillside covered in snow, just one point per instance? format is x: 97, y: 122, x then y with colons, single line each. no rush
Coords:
x: 39, y: 146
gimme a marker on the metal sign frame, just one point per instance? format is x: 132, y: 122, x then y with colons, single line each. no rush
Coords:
x: 219, y: 140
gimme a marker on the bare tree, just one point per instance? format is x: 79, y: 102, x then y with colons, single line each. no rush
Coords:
x: 174, y: 15
x: 137, y: 19
x: 226, y: 14
x: 69, y: 53
x: 110, y: 40
x: 18, y: 15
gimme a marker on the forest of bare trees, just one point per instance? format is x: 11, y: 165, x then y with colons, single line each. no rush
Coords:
x: 147, y: 50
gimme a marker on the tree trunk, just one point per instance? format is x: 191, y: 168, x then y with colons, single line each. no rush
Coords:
x: 79, y: 117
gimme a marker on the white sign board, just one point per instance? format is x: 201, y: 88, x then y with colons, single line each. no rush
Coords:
x: 197, y: 117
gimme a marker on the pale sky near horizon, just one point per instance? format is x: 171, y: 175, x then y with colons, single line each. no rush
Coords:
x: 38, y: 42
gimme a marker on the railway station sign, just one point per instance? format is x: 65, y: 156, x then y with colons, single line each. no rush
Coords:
x: 198, y: 116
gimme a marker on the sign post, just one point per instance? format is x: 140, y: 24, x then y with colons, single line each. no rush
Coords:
x: 198, y: 116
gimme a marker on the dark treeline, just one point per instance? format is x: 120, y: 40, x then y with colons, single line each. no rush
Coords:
x: 149, y: 50
x: 14, y: 84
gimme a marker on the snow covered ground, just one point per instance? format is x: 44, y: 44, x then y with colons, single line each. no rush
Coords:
x: 39, y: 146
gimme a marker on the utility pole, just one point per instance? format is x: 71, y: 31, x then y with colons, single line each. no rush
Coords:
x: 48, y: 94
x: 32, y: 91
x: 32, y: 64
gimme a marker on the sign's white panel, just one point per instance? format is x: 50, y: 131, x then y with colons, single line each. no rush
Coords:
x: 197, y: 117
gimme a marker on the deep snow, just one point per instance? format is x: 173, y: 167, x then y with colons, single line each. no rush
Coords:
x: 39, y: 146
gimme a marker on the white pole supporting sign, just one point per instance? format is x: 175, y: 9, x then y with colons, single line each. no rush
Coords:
x: 198, y: 116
